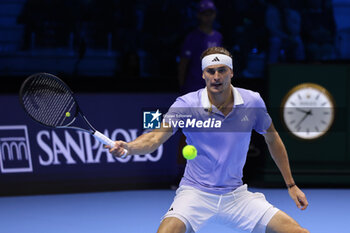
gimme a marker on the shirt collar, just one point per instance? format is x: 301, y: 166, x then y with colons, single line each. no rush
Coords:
x: 237, y: 98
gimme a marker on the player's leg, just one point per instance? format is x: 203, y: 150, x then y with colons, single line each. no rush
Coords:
x: 190, y: 209
x: 281, y: 222
x: 263, y: 217
x: 172, y: 225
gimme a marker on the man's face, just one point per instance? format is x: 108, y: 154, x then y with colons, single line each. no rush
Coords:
x: 217, y: 78
x: 207, y: 17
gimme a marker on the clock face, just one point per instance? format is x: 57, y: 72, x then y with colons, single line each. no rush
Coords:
x: 308, y: 111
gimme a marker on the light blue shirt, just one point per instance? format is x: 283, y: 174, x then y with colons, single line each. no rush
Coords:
x: 222, y: 151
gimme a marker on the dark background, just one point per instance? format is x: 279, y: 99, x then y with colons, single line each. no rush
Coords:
x: 133, y: 47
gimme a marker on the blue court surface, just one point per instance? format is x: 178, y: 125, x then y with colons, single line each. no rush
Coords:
x: 140, y: 211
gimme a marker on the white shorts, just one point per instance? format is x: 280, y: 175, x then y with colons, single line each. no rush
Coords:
x: 239, y: 209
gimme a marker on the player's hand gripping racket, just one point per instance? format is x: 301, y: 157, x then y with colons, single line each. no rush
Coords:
x: 49, y: 101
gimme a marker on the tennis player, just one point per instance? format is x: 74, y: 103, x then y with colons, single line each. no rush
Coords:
x: 212, y: 183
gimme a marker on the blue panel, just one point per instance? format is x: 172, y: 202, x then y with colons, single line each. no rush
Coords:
x: 33, y: 153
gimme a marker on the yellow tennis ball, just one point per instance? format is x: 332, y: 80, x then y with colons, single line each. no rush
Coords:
x: 189, y: 152
x: 67, y: 114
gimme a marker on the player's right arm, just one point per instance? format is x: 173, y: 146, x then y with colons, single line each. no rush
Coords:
x: 144, y: 144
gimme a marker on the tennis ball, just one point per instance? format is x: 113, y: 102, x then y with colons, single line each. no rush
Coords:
x: 189, y: 152
x: 67, y: 114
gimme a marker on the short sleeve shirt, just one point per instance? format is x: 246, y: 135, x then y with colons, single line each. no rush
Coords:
x: 222, y: 151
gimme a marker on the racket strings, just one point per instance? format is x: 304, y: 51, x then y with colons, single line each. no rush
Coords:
x: 30, y: 97
x: 56, y: 112
x: 35, y: 105
x: 57, y: 108
x: 64, y: 108
x: 47, y: 100
x: 43, y: 113
x: 69, y: 109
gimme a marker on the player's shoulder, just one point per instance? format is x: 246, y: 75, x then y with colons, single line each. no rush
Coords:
x: 247, y: 93
x: 191, y: 98
x: 250, y: 97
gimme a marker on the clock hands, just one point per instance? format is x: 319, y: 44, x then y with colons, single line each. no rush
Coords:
x: 307, y: 113
x: 301, y: 110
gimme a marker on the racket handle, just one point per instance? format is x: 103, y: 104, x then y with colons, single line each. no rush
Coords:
x: 107, y: 141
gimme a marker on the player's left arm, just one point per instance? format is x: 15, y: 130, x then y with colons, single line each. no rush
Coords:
x: 279, y: 154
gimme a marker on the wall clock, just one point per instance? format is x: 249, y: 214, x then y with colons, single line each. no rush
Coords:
x: 308, y: 111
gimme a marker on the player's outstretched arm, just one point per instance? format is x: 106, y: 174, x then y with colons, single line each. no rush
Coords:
x: 144, y: 144
x: 279, y: 155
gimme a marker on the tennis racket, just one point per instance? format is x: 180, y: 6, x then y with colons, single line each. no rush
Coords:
x: 49, y: 101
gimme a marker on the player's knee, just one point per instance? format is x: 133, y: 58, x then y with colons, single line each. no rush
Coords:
x: 172, y: 225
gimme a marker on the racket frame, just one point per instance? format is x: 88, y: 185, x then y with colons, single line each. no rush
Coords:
x: 98, y: 135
